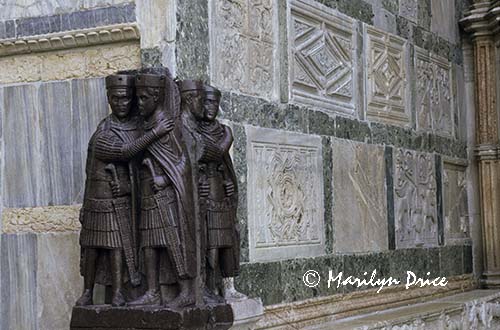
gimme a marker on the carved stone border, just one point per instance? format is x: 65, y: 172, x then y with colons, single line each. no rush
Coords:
x: 44, y: 219
x: 70, y: 39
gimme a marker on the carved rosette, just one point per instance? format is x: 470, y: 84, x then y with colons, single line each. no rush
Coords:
x: 285, y: 194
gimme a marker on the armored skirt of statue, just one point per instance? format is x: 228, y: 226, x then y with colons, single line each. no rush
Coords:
x: 219, y: 208
x: 107, y: 219
x: 167, y: 220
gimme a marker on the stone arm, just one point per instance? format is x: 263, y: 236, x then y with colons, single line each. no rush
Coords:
x: 108, y: 147
x: 227, y: 141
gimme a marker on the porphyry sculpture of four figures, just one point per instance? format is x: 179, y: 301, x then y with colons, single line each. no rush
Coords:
x: 159, y: 211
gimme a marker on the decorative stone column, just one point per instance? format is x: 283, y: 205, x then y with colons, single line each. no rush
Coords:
x: 482, y: 22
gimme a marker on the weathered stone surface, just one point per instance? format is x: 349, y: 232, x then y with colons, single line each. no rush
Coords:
x: 386, y: 74
x: 444, y: 21
x: 56, y: 295
x: 323, y: 66
x: 435, y: 106
x: 285, y: 194
x: 246, y: 313
x: 362, y: 266
x: 23, y: 150
x: 243, y: 43
x: 385, y: 20
x: 41, y: 219
x: 415, y: 199
x: 359, y: 204
x: 456, y: 213
x: 18, y: 282
x: 261, y: 280
x: 31, y: 8
x: 409, y: 9
x: 73, y: 63
x: 56, y: 131
x: 7, y: 29
x: 451, y: 260
x: 192, y: 39
x: 328, y: 192
x: 206, y: 317
x: 89, y: 106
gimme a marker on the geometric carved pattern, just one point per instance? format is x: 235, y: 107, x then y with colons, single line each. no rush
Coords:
x: 386, y: 77
x: 285, y: 194
x: 434, y: 96
x: 322, y: 63
x: 415, y: 199
x: 242, y: 47
x: 456, y: 210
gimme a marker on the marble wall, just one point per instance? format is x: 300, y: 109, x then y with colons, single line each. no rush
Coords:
x: 349, y: 119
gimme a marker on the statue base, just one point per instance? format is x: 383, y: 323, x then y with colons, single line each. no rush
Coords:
x: 106, y: 317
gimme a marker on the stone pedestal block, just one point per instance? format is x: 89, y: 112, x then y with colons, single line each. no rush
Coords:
x: 213, y: 317
x: 247, y: 313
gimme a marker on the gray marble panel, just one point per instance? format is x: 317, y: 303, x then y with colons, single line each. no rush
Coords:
x: 57, y: 252
x: 359, y: 197
x: 56, y: 133
x: 18, y: 282
x: 22, y: 147
x: 89, y: 107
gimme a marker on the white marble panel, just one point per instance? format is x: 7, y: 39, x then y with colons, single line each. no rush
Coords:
x: 323, y: 61
x: 359, y: 197
x: 386, y: 77
x: 285, y: 194
x: 435, y: 104
x: 415, y: 199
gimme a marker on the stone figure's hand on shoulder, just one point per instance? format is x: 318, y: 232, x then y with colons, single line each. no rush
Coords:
x: 163, y: 127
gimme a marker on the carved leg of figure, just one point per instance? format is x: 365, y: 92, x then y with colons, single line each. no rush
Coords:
x: 168, y: 293
x: 186, y: 296
x: 89, y: 278
x: 211, y: 295
x: 152, y: 295
x: 115, y: 257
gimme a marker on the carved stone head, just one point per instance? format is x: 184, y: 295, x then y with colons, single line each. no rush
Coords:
x: 150, y: 92
x: 120, y: 88
x: 211, y: 103
x: 192, y: 97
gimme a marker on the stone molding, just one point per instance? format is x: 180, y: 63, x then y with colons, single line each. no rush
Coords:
x: 325, y: 309
x: 482, y: 19
x: 70, y: 39
x: 47, y: 219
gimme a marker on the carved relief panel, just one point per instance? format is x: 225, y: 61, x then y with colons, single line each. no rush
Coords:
x: 285, y: 194
x: 242, y: 45
x: 322, y: 57
x: 456, y: 210
x: 434, y: 94
x: 415, y: 200
x: 386, y: 77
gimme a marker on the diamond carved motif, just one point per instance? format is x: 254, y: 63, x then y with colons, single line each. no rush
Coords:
x: 386, y: 78
x: 323, y: 65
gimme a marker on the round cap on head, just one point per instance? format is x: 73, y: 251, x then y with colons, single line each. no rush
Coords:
x: 119, y: 81
x: 150, y: 80
x: 212, y: 93
x: 190, y: 85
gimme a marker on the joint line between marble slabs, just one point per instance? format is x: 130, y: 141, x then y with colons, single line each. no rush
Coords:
x: 389, y: 179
